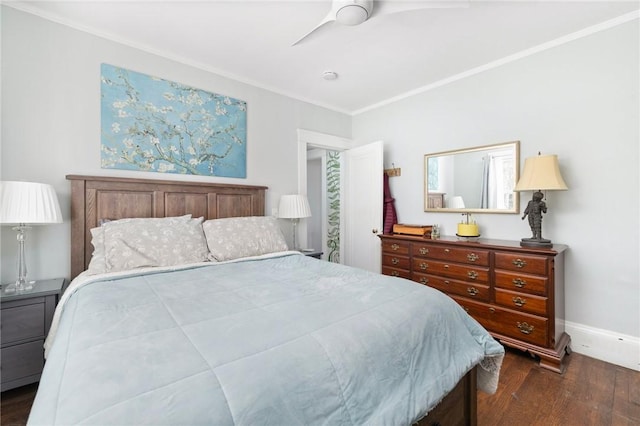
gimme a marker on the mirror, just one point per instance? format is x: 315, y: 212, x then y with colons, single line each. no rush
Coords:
x: 474, y: 180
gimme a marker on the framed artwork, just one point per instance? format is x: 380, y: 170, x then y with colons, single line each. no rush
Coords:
x: 155, y: 125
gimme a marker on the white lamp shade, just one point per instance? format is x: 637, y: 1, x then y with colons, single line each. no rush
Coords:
x: 29, y: 203
x: 456, y: 202
x: 541, y: 173
x: 294, y: 207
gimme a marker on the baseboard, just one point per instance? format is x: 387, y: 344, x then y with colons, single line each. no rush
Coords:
x: 605, y: 345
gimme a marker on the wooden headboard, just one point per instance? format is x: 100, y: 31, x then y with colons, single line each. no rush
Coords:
x: 94, y: 198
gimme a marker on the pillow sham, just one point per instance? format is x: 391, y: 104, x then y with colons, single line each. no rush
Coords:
x: 139, y: 242
x: 237, y: 237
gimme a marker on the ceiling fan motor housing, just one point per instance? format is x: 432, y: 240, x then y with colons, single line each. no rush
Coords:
x: 354, y: 12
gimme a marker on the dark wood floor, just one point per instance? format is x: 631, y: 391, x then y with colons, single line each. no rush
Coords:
x: 590, y: 392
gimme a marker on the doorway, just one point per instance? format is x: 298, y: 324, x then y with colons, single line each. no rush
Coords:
x: 314, y: 153
x: 356, y: 206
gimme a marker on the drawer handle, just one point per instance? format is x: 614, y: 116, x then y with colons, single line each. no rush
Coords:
x: 395, y: 261
x: 519, y: 301
x: 424, y: 280
x: 446, y: 282
x: 423, y: 266
x: 424, y: 250
x: 472, y: 275
x: 446, y: 266
x: 472, y: 291
x: 525, y: 328
x: 395, y: 274
x: 472, y: 257
x: 446, y: 250
x: 519, y: 263
x: 492, y: 310
x: 466, y: 310
x: 519, y: 282
x: 394, y: 247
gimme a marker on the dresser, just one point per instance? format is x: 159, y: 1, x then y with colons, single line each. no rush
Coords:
x: 25, y: 319
x: 516, y: 293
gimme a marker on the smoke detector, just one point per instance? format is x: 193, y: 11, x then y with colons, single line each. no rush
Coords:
x: 329, y: 75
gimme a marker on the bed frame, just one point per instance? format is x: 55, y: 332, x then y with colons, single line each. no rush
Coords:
x: 94, y: 198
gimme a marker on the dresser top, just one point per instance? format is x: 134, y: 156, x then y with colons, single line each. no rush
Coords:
x: 482, y: 243
x: 40, y: 288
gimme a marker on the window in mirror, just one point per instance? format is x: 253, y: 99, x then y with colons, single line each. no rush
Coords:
x: 477, y: 179
x: 433, y: 180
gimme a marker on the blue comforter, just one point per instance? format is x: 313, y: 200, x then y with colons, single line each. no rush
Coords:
x: 287, y: 340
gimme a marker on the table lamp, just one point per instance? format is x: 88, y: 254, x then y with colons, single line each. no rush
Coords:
x: 294, y: 207
x: 23, y: 204
x: 541, y: 173
x: 456, y: 202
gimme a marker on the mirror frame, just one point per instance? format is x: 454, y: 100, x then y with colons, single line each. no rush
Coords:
x: 516, y: 195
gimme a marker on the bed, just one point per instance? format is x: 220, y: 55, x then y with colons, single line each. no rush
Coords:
x: 229, y: 336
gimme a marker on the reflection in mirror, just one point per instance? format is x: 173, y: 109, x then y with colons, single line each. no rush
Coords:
x: 479, y: 180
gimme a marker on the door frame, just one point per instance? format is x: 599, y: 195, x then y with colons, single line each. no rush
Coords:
x: 306, y: 139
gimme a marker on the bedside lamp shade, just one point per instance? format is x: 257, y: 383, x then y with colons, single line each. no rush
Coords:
x: 456, y: 202
x: 28, y: 203
x: 23, y: 204
x: 294, y: 207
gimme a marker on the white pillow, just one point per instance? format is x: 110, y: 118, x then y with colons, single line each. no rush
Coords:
x: 237, y: 237
x: 139, y: 242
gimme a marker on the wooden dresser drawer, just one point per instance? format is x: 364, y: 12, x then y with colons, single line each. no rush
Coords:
x: 452, y: 286
x: 529, y: 264
x: 397, y: 247
x: 525, y: 327
x: 532, y: 284
x: 451, y: 270
x: 516, y: 325
x: 394, y: 261
x: 452, y: 254
x: 395, y: 272
x: 522, y: 302
x: 23, y: 322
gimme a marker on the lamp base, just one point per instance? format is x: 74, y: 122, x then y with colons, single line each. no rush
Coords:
x: 535, y: 242
x: 18, y: 287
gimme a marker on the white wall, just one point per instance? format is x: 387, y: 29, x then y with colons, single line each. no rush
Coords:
x: 578, y: 100
x: 51, y: 124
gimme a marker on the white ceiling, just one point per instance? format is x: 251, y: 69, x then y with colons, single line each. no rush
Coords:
x: 386, y: 57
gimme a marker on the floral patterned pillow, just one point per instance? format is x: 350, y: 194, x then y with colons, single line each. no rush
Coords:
x: 134, y: 243
x: 237, y: 237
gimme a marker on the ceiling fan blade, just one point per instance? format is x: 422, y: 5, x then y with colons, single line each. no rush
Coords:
x: 331, y: 17
x: 386, y: 7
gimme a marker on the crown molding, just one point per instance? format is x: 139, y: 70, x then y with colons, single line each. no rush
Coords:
x: 27, y: 8
x: 611, y: 23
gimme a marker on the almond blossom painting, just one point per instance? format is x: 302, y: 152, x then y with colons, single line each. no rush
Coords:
x: 155, y: 125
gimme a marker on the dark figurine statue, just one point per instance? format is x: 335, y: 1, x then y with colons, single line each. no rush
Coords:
x: 534, y: 210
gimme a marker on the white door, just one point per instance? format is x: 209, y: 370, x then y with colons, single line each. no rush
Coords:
x: 363, y: 198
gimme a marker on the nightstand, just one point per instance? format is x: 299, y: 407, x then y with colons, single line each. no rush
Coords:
x: 25, y: 319
x: 314, y: 253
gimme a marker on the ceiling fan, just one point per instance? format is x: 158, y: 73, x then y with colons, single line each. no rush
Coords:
x: 355, y: 12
